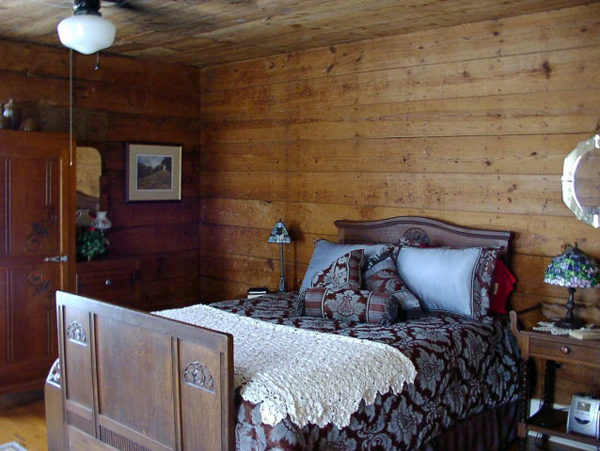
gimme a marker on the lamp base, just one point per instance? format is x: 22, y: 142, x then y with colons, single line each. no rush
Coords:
x: 569, y: 324
x: 281, y: 285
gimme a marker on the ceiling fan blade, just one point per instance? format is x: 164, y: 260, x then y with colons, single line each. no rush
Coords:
x: 126, y: 4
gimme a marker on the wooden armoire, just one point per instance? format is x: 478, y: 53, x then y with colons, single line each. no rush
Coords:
x: 37, y: 251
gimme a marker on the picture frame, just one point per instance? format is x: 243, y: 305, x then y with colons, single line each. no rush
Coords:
x: 153, y: 172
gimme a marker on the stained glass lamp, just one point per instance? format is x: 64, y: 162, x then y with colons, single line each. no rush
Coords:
x: 572, y: 269
x: 281, y: 236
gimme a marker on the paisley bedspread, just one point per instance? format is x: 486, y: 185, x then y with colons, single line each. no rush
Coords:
x: 463, y: 367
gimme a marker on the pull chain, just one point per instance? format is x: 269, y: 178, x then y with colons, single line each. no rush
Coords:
x: 70, y: 107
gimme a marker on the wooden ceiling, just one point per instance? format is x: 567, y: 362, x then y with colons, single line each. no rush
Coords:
x: 208, y: 32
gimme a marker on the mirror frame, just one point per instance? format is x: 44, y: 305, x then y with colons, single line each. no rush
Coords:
x: 589, y: 215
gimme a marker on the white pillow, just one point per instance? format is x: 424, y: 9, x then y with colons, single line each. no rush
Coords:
x: 448, y: 279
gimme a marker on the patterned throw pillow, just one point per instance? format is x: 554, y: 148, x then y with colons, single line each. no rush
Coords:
x: 383, y: 277
x: 350, y: 305
x: 345, y: 272
x: 325, y: 252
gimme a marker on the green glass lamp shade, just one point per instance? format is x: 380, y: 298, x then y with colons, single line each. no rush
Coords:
x: 572, y: 269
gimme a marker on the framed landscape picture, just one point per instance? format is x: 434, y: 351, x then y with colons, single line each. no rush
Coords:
x: 153, y: 172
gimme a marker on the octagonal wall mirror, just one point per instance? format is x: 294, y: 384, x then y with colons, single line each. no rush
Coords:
x: 581, y: 181
x: 89, y: 170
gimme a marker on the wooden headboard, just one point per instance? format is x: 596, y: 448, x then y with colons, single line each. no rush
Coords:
x: 439, y: 233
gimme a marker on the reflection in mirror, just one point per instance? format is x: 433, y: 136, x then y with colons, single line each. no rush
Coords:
x: 581, y: 181
x: 89, y: 170
x: 587, y: 180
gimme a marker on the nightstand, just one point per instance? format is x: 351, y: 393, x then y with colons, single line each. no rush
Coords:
x: 551, y: 349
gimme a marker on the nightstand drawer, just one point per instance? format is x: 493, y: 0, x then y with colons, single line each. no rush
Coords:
x: 109, y: 280
x: 106, y: 285
x: 566, y: 350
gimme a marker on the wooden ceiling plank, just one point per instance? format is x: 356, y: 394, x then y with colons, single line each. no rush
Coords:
x: 258, y: 28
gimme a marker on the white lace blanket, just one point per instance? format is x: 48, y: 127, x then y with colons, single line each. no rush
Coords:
x: 311, y: 376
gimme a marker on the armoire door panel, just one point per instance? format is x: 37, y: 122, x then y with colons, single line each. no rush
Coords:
x: 4, y: 225
x: 32, y: 312
x: 37, y: 215
x: 34, y: 187
x: 4, y: 327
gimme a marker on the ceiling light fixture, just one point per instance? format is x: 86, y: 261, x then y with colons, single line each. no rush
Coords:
x: 86, y: 31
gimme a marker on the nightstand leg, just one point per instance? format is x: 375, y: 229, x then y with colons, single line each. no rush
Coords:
x: 523, y: 404
x: 549, y: 374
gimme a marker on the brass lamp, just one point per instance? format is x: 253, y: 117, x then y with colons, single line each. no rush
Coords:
x: 572, y: 269
x: 280, y: 235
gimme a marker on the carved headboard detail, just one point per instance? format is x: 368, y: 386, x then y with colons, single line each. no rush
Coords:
x: 438, y: 233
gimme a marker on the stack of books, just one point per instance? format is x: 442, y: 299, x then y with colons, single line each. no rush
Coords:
x: 585, y: 334
x: 257, y: 291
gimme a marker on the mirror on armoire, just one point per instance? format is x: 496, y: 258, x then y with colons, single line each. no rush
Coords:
x: 89, y: 171
x: 91, y: 220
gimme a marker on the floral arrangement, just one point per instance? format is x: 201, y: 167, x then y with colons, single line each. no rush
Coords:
x: 90, y: 243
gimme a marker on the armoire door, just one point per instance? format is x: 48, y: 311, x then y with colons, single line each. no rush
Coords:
x: 36, y: 252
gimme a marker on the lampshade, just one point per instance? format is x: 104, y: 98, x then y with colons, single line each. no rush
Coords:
x: 574, y: 269
x: 85, y: 31
x: 279, y: 234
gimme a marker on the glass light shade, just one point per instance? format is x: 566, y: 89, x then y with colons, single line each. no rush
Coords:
x: 573, y: 269
x: 86, y: 33
x: 279, y: 234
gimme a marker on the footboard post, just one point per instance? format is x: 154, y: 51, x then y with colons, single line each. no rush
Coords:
x: 55, y: 420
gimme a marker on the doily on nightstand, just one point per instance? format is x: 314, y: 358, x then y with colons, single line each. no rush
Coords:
x: 545, y: 326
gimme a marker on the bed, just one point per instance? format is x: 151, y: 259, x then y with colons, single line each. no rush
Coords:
x: 135, y: 381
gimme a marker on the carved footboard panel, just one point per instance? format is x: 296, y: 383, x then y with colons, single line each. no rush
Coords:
x: 138, y: 382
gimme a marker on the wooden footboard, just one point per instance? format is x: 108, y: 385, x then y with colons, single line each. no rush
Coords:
x: 136, y: 382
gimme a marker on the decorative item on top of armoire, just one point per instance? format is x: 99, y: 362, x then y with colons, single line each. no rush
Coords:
x: 4, y: 125
x: 280, y: 235
x: 572, y: 269
x: 30, y: 125
x: 13, y: 114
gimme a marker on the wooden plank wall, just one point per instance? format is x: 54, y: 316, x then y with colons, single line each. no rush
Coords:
x: 126, y: 100
x: 468, y: 124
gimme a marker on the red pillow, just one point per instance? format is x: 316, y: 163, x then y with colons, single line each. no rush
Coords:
x: 504, y: 286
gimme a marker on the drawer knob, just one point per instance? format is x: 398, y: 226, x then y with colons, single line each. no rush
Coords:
x: 565, y: 349
x: 108, y: 282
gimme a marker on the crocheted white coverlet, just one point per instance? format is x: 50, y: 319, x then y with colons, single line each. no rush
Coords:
x: 312, y: 377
